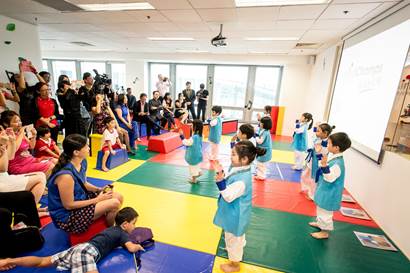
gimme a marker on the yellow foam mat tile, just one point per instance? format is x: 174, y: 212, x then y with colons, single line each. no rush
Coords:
x: 245, y: 268
x: 175, y: 218
x: 113, y: 174
x: 283, y: 156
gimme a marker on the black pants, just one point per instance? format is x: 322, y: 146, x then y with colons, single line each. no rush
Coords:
x: 201, y: 108
x: 20, y: 203
x: 54, y: 133
x: 191, y: 108
x: 151, y: 124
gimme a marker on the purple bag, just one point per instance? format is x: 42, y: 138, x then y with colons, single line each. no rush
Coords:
x: 142, y: 236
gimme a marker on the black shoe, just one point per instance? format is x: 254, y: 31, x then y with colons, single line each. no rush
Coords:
x: 131, y: 153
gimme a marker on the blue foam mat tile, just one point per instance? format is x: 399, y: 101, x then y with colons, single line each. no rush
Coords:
x: 282, y: 171
x: 119, y: 260
x: 166, y: 258
x: 56, y: 240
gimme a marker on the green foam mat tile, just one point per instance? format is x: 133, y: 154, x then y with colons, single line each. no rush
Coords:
x: 282, y: 241
x: 174, y: 178
x: 277, y: 145
x: 142, y: 154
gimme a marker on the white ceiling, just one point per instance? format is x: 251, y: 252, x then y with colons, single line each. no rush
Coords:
x: 127, y: 31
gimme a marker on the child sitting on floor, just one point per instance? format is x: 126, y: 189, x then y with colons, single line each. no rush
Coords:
x: 193, y: 154
x: 45, y: 146
x: 330, y: 183
x: 215, y: 132
x: 245, y: 132
x: 263, y: 140
x: 235, y: 201
x: 84, y: 257
x: 111, y: 141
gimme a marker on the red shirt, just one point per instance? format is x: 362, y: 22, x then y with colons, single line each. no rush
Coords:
x: 42, y: 145
x: 46, y: 109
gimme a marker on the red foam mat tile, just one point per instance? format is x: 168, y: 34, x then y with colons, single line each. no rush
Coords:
x: 287, y: 139
x: 286, y: 196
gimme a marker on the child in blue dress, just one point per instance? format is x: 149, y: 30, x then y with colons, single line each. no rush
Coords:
x: 193, y: 154
x: 300, y: 137
x: 330, y: 183
x: 263, y: 140
x: 215, y: 132
x: 235, y: 201
x: 315, y: 154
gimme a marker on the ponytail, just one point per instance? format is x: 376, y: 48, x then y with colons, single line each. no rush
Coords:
x: 245, y: 148
x: 71, y: 143
x: 309, y: 118
x: 63, y: 160
x: 326, y: 128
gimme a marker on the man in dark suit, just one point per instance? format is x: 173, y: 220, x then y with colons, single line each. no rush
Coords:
x: 190, y: 97
x: 155, y: 107
x: 141, y: 113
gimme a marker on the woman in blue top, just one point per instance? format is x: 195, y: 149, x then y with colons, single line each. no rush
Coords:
x: 193, y: 154
x: 264, y: 140
x: 125, y: 121
x: 300, y: 139
x: 235, y: 200
x: 74, y: 203
x: 330, y: 184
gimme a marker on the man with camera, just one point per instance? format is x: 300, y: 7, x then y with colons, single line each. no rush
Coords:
x: 190, y: 97
x: 163, y: 85
x: 202, y: 96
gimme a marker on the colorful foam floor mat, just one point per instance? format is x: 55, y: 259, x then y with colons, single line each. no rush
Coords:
x: 181, y: 215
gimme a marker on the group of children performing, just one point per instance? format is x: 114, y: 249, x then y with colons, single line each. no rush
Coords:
x: 322, y: 180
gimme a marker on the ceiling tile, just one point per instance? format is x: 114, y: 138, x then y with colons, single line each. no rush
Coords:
x: 193, y: 27
x: 181, y: 15
x: 293, y: 24
x: 301, y: 12
x: 257, y: 14
x: 202, y: 4
x: 330, y: 24
x: 320, y: 36
x: 218, y: 15
x: 153, y: 16
x: 354, y: 11
x: 163, y: 27
x: 174, y: 4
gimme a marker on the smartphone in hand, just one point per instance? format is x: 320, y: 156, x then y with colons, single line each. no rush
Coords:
x: 28, y: 129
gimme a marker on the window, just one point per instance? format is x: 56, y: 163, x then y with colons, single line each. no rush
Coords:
x: 45, y: 65
x: 64, y: 68
x: 266, y: 86
x: 118, y: 76
x: 196, y: 74
x: 230, y: 85
x: 89, y: 66
x: 230, y: 113
x: 156, y: 69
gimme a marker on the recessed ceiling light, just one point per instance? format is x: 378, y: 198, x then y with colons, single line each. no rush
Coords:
x: 170, y: 39
x: 258, y: 3
x: 116, y: 6
x: 271, y: 38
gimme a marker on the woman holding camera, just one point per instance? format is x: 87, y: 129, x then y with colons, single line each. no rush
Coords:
x: 23, y: 161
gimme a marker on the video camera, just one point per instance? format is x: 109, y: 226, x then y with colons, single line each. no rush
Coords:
x: 102, y: 83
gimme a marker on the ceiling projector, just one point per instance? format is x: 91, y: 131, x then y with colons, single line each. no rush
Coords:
x: 219, y: 40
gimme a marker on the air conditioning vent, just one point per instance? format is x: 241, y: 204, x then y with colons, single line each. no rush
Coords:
x: 307, y: 45
x: 81, y: 44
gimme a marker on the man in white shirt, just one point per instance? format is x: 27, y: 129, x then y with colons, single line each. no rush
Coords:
x: 163, y: 85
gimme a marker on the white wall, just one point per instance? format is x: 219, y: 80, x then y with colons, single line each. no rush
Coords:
x: 320, y: 88
x: 382, y: 190
x: 24, y: 43
x: 295, y: 80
